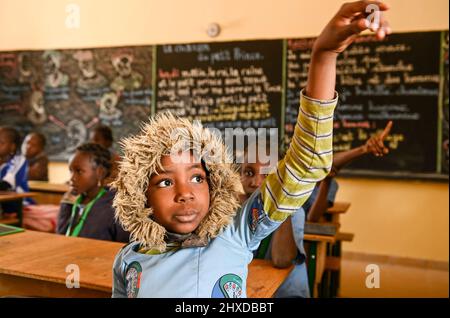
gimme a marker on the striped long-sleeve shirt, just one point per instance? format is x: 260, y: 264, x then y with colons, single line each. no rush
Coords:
x: 307, y: 161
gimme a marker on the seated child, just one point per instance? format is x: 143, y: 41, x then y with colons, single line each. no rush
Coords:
x: 290, y: 233
x: 177, y: 193
x: 13, y: 167
x: 103, y: 136
x: 92, y: 214
x: 285, y: 246
x: 34, y: 145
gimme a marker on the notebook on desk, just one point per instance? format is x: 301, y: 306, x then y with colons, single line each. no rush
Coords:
x: 8, y: 229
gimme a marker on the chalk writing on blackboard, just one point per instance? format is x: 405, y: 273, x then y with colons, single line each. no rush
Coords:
x: 397, y: 79
x: 234, y: 84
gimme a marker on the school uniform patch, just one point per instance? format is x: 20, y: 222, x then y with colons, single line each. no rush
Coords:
x: 228, y: 286
x: 256, y: 215
x: 133, y: 279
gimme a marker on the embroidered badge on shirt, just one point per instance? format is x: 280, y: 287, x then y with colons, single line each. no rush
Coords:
x: 228, y: 286
x: 133, y: 279
x: 256, y: 214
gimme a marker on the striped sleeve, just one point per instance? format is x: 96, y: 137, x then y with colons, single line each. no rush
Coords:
x: 307, y: 161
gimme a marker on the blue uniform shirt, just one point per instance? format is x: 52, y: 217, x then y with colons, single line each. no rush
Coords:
x: 218, y: 270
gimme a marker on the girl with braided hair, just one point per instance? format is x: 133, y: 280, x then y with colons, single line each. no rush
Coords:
x: 92, y: 214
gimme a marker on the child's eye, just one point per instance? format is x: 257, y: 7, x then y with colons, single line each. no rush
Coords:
x: 249, y: 173
x: 197, y: 179
x: 164, y: 183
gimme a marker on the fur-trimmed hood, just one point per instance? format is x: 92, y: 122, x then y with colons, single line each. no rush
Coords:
x: 142, y: 159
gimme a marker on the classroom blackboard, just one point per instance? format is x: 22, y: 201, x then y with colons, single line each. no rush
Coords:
x: 240, y: 84
x: 224, y: 85
x: 65, y: 93
x: 398, y: 79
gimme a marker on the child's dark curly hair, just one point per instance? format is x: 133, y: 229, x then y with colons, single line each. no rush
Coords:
x: 100, y: 155
x: 105, y: 132
x: 13, y: 135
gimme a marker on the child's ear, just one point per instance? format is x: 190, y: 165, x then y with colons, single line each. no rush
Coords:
x: 101, y: 173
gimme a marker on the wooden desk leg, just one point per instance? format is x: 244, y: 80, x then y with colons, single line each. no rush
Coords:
x: 20, y: 212
x: 321, y: 256
x: 312, y: 263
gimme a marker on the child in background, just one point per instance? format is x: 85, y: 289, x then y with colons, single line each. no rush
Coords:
x: 103, y: 136
x: 33, y: 148
x: 13, y: 169
x: 91, y: 215
x: 180, y: 203
x: 285, y: 246
x: 290, y: 233
x: 13, y: 165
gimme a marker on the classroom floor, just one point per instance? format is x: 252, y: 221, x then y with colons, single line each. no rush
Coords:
x: 395, y: 281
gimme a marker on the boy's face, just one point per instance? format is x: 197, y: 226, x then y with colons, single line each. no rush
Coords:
x: 251, y: 176
x: 33, y: 146
x: 7, y: 147
x: 179, y: 195
x: 83, y: 173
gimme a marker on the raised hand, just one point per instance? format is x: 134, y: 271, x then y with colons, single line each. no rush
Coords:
x: 352, y: 19
x: 375, y: 144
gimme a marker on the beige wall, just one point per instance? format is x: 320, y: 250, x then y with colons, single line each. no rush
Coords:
x: 31, y: 24
x: 402, y: 218
x: 405, y: 219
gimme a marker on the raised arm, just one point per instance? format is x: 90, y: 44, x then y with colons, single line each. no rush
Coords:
x: 309, y: 157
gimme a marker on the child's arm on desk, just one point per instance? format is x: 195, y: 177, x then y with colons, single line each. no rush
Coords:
x: 284, y: 250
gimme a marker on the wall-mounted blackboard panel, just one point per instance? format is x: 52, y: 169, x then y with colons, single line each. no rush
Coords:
x: 64, y: 93
x: 397, y: 79
x: 224, y: 85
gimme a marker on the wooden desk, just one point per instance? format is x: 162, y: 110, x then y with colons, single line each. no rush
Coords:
x: 6, y: 196
x: 339, y: 207
x: 41, y: 270
x: 48, y: 193
x: 330, y: 279
x: 333, y: 212
x: 264, y: 279
x: 317, y: 256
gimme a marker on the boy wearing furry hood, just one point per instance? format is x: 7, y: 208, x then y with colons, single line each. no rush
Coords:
x: 181, y: 205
